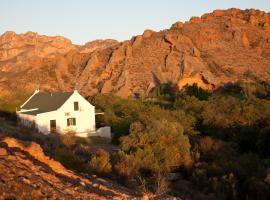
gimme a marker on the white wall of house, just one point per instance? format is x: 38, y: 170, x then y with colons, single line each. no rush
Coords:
x: 85, y: 117
x: 27, y: 120
x: 43, y: 121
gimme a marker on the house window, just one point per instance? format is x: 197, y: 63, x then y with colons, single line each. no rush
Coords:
x: 76, y: 105
x: 52, y: 126
x: 71, y: 122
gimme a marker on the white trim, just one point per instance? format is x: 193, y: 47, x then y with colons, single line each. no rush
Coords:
x: 100, y: 113
x: 24, y: 110
x: 36, y: 91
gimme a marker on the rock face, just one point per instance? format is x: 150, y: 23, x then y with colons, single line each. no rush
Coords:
x: 26, y: 172
x: 212, y: 50
x: 32, y: 44
x: 97, y: 44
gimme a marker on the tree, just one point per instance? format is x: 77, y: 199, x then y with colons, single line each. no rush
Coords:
x: 157, y: 147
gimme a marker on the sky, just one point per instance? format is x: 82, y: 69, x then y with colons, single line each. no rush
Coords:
x: 85, y: 20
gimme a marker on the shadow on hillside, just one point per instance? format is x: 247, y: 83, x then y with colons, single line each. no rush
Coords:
x: 10, y: 116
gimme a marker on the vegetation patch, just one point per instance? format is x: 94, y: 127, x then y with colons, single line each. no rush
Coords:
x: 191, y: 143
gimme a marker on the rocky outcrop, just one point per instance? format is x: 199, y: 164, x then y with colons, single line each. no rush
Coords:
x: 32, y: 44
x: 26, y: 172
x: 97, y: 44
x: 212, y: 50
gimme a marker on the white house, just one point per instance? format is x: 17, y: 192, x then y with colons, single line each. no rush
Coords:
x: 60, y: 112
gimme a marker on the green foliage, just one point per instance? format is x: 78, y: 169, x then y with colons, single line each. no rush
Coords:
x: 100, y: 162
x: 218, y: 141
x: 246, y: 90
x: 263, y: 90
x: 121, y: 113
x: 69, y: 159
x: 159, y: 145
x: 228, y: 111
x: 165, y: 91
x: 190, y: 105
x: 155, y: 147
x: 68, y: 139
x: 194, y: 90
x: 223, y: 135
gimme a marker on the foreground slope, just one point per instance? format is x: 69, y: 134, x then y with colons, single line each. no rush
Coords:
x: 212, y: 50
x: 25, y: 172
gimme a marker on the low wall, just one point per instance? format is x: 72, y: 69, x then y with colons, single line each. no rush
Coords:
x: 103, y: 132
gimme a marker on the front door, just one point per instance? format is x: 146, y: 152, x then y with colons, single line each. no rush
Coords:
x: 52, y: 126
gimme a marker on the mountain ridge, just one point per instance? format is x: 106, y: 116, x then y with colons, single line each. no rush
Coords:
x: 217, y: 48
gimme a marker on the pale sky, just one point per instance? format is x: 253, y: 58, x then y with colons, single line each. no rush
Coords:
x: 86, y: 20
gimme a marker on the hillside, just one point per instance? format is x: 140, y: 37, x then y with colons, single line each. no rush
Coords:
x: 211, y: 50
x: 25, y: 170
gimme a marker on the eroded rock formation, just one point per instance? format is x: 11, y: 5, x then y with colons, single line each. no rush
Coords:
x: 217, y: 48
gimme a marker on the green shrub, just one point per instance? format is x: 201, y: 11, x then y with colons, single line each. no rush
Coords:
x: 69, y: 159
x: 69, y: 139
x: 100, y: 162
x: 155, y: 147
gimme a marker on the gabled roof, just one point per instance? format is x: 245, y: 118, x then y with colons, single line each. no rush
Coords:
x: 46, y: 101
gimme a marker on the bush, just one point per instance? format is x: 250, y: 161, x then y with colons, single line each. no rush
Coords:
x: 69, y: 159
x: 153, y: 148
x: 69, y: 139
x: 128, y: 165
x: 100, y: 162
x: 195, y: 90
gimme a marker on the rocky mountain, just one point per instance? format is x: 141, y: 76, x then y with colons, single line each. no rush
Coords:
x: 211, y: 50
x: 97, y: 44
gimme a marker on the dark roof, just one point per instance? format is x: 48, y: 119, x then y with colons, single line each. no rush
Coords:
x: 46, y: 101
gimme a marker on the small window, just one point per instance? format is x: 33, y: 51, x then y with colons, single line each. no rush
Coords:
x: 76, y: 105
x: 53, y: 126
x: 71, y: 122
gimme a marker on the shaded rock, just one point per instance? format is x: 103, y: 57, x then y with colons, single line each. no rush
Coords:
x: 3, y: 152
